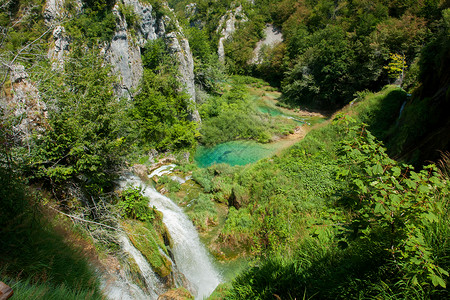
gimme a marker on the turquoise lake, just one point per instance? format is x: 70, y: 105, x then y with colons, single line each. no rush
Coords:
x: 234, y: 153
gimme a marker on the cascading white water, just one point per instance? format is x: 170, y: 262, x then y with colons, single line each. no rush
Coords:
x: 400, y: 113
x: 151, y: 280
x: 162, y: 170
x: 191, y: 257
x: 122, y: 289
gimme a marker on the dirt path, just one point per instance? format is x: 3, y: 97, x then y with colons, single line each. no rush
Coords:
x: 270, y: 99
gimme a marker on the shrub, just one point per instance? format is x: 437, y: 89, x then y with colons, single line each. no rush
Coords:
x: 135, y: 206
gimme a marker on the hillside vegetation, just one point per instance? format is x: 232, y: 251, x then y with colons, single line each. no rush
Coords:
x: 335, y: 217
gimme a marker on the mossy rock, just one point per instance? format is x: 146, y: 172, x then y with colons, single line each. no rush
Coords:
x: 176, y: 294
x: 148, y: 241
x: 135, y: 273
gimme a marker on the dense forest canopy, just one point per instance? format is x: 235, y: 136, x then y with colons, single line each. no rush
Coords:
x: 357, y: 208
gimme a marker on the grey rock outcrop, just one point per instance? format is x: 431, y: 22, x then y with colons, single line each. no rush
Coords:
x: 179, y: 47
x: 18, y: 74
x: 227, y: 26
x: 272, y: 38
x: 26, y: 105
x: 59, y: 48
x: 124, y: 51
x: 54, y: 11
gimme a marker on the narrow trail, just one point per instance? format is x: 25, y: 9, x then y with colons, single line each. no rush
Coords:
x: 270, y: 99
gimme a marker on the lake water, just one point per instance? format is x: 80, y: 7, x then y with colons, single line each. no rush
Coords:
x: 245, y: 152
x: 234, y: 153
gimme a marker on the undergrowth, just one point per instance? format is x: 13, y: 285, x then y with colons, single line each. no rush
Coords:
x: 315, y: 220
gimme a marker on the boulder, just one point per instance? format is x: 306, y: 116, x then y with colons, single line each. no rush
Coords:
x: 176, y: 294
x: 6, y: 292
x: 140, y: 170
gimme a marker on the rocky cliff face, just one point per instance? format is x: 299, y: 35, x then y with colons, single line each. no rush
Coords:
x: 272, y: 38
x: 227, y: 26
x: 25, y: 105
x: 179, y: 47
x: 124, y: 50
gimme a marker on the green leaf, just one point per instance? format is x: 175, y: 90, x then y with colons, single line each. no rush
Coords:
x: 379, y: 208
x: 437, y: 280
x: 442, y: 271
x: 411, y: 184
x: 395, y: 199
x: 396, y: 171
x: 431, y: 217
x: 377, y: 169
x: 359, y: 184
x: 423, y: 188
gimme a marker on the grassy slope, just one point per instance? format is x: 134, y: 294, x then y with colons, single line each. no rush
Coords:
x: 283, y: 201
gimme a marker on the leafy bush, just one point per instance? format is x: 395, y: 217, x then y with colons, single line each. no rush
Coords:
x: 203, y: 211
x: 84, y: 141
x: 92, y: 26
x: 130, y: 15
x: 204, y: 177
x: 171, y: 185
x: 393, y: 201
x: 33, y: 250
x: 378, y: 250
x: 135, y: 206
x: 232, y: 117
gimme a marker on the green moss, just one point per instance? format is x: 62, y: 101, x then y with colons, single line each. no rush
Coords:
x: 136, y: 275
x: 203, y: 212
x: 148, y: 238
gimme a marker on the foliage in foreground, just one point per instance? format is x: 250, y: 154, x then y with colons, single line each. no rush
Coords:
x: 34, y: 251
x: 335, y: 217
x: 386, y: 231
x: 25, y: 289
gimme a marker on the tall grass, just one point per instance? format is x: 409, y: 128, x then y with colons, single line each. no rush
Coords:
x: 26, y: 289
x: 288, y: 200
x: 32, y: 250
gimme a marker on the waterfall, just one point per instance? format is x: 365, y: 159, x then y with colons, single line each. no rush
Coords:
x: 190, y: 255
x: 163, y: 170
x: 119, y: 288
x: 116, y: 288
x: 400, y: 113
x: 151, y: 280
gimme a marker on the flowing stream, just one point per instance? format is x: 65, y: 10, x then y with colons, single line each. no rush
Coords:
x: 400, y: 113
x: 190, y: 255
x: 123, y: 289
x: 151, y: 280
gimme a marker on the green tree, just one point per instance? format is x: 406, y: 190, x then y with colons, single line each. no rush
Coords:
x: 322, y: 76
x: 84, y: 139
x: 160, y: 110
x: 397, y: 65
